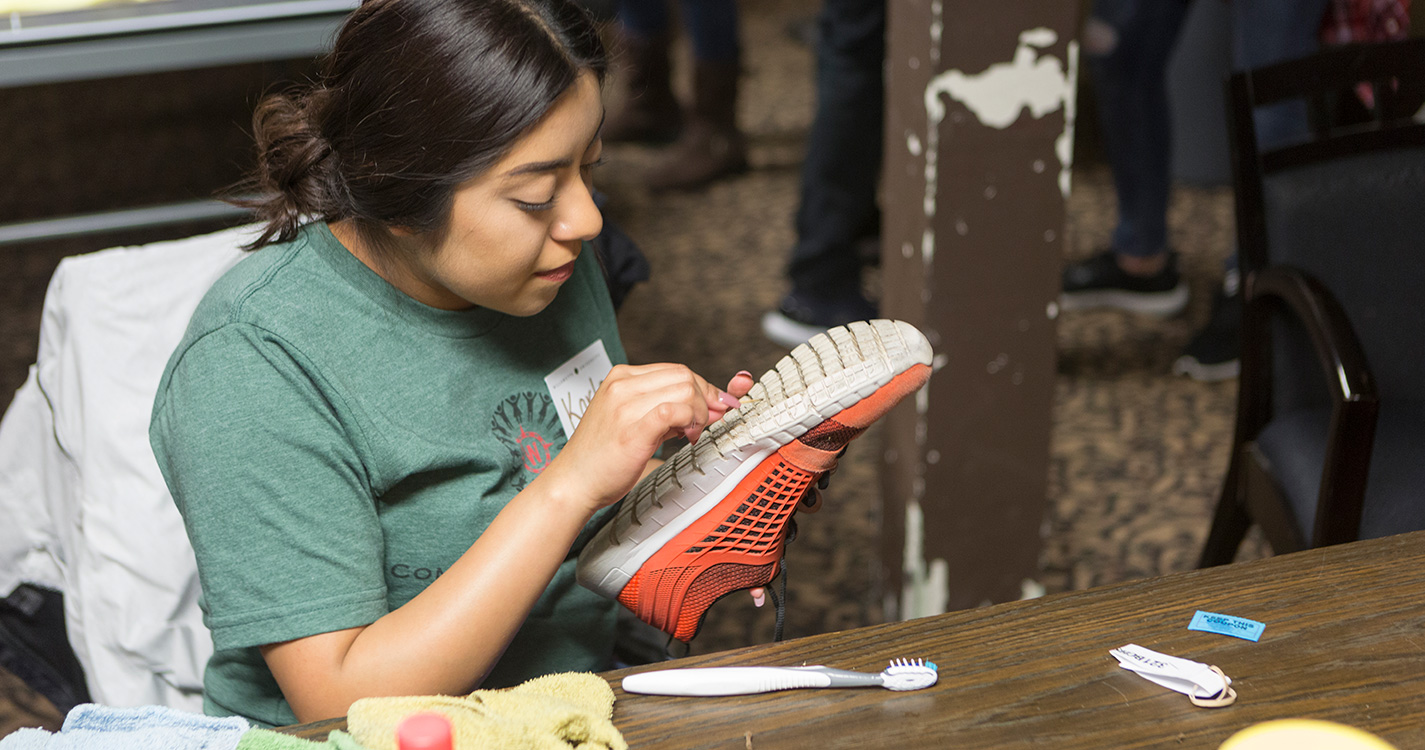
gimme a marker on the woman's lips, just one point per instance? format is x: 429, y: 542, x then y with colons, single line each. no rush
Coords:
x: 561, y: 273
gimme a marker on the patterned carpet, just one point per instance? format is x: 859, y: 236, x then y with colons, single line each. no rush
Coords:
x: 1137, y: 454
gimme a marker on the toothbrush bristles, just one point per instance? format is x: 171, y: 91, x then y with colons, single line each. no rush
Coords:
x: 909, y: 674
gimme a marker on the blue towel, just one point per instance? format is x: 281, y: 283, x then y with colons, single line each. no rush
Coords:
x: 93, y: 727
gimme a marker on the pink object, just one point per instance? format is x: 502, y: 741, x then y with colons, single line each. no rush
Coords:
x: 424, y: 732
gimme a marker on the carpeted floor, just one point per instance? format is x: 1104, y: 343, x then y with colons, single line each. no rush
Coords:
x: 1137, y: 454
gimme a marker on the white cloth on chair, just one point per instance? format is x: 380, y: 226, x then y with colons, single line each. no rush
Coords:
x: 94, y: 517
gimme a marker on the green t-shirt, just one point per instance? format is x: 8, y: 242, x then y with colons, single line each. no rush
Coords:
x: 334, y: 445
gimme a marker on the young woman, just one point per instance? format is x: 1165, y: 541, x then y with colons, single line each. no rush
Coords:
x: 357, y: 426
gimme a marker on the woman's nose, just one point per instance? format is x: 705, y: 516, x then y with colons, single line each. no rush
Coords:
x: 580, y: 218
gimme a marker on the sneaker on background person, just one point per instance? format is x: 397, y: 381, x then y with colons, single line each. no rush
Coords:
x: 1101, y: 281
x: 1214, y: 354
x: 798, y: 317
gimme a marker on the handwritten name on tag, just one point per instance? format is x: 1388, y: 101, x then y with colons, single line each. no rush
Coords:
x: 572, y: 384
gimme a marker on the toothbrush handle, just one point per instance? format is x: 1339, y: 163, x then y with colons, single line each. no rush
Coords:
x: 724, y: 680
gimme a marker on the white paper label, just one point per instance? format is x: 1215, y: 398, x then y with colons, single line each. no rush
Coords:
x: 1185, y: 676
x: 573, y: 383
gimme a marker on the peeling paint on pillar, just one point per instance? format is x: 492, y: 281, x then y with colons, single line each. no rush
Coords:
x: 1031, y: 81
x: 998, y: 96
x: 927, y: 584
x: 956, y: 191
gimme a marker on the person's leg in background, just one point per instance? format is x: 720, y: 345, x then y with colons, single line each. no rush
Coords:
x: 1128, y: 44
x: 837, y: 214
x: 1263, y: 32
x: 650, y: 113
x: 710, y: 144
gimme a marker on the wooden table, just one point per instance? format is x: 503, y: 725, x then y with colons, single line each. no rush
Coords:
x: 1344, y: 641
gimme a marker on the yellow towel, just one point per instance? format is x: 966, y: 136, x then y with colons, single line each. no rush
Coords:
x: 266, y: 739
x: 558, y: 711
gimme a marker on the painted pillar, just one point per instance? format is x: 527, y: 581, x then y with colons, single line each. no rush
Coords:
x: 979, y: 127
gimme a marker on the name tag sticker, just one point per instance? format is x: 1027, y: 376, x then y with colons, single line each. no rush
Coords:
x: 1237, y: 627
x: 573, y: 383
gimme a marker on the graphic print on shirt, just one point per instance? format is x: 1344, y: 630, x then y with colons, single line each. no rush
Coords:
x: 528, y: 424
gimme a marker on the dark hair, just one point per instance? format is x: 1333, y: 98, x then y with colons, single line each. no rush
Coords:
x: 415, y: 98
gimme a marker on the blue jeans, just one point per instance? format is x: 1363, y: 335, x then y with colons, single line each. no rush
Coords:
x: 711, y: 25
x: 843, y: 153
x: 1132, y: 97
x: 1133, y: 101
x: 1272, y: 31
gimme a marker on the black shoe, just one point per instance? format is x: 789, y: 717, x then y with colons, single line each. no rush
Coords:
x: 1214, y: 354
x: 1099, y: 282
x: 799, y: 318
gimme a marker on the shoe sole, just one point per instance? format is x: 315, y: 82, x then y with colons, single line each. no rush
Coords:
x: 751, y: 466
x: 1202, y: 373
x: 787, y: 332
x: 1162, y: 304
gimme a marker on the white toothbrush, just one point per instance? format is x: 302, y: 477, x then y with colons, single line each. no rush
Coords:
x: 902, y: 674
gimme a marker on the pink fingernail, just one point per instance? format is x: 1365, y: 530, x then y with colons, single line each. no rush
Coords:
x: 742, y: 373
x: 728, y: 400
x: 759, y: 599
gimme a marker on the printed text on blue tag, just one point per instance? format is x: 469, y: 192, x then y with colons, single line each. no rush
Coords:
x: 1237, y: 627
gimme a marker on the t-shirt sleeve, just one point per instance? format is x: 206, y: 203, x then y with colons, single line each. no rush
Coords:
x: 272, y: 491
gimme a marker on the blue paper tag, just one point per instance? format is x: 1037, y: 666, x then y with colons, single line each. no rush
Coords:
x: 1237, y: 627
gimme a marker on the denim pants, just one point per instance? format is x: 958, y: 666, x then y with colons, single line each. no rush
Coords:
x: 843, y: 153
x: 1133, y: 102
x: 1272, y: 31
x: 1132, y: 97
x: 711, y: 25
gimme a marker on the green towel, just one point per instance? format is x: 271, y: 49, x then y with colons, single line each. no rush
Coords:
x: 266, y: 739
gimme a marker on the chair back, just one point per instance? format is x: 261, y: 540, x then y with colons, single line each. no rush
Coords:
x: 1347, y: 206
x: 93, y: 516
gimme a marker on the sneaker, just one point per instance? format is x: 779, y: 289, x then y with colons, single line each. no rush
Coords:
x: 713, y: 519
x: 1099, y: 282
x: 797, y: 319
x: 1214, y: 354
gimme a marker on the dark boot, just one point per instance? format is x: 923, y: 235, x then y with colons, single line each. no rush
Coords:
x: 649, y: 112
x: 710, y: 145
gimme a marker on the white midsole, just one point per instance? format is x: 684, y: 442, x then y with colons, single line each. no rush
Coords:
x: 617, y: 577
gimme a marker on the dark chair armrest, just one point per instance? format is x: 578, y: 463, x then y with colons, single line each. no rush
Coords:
x: 1355, y: 402
x: 1337, y: 349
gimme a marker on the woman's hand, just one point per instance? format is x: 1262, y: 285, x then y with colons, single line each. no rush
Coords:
x: 633, y: 412
x: 450, y: 635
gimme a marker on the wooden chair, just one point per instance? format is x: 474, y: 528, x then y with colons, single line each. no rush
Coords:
x: 1329, y: 445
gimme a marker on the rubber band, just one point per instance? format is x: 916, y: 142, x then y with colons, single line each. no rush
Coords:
x: 1226, y: 697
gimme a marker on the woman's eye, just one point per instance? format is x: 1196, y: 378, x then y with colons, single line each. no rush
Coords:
x: 535, y: 207
x: 590, y: 166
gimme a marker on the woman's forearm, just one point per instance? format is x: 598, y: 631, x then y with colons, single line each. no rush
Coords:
x: 448, y: 637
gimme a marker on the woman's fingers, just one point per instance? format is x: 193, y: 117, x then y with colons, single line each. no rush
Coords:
x: 634, y: 411
x: 665, y: 401
x: 740, y: 384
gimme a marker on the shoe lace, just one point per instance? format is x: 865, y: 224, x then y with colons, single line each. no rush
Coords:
x: 693, y: 458
x: 779, y: 596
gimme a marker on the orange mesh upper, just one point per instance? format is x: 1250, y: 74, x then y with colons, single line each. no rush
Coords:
x: 735, y: 546
x: 830, y: 435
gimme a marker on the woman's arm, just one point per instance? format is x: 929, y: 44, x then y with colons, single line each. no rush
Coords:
x: 448, y: 637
